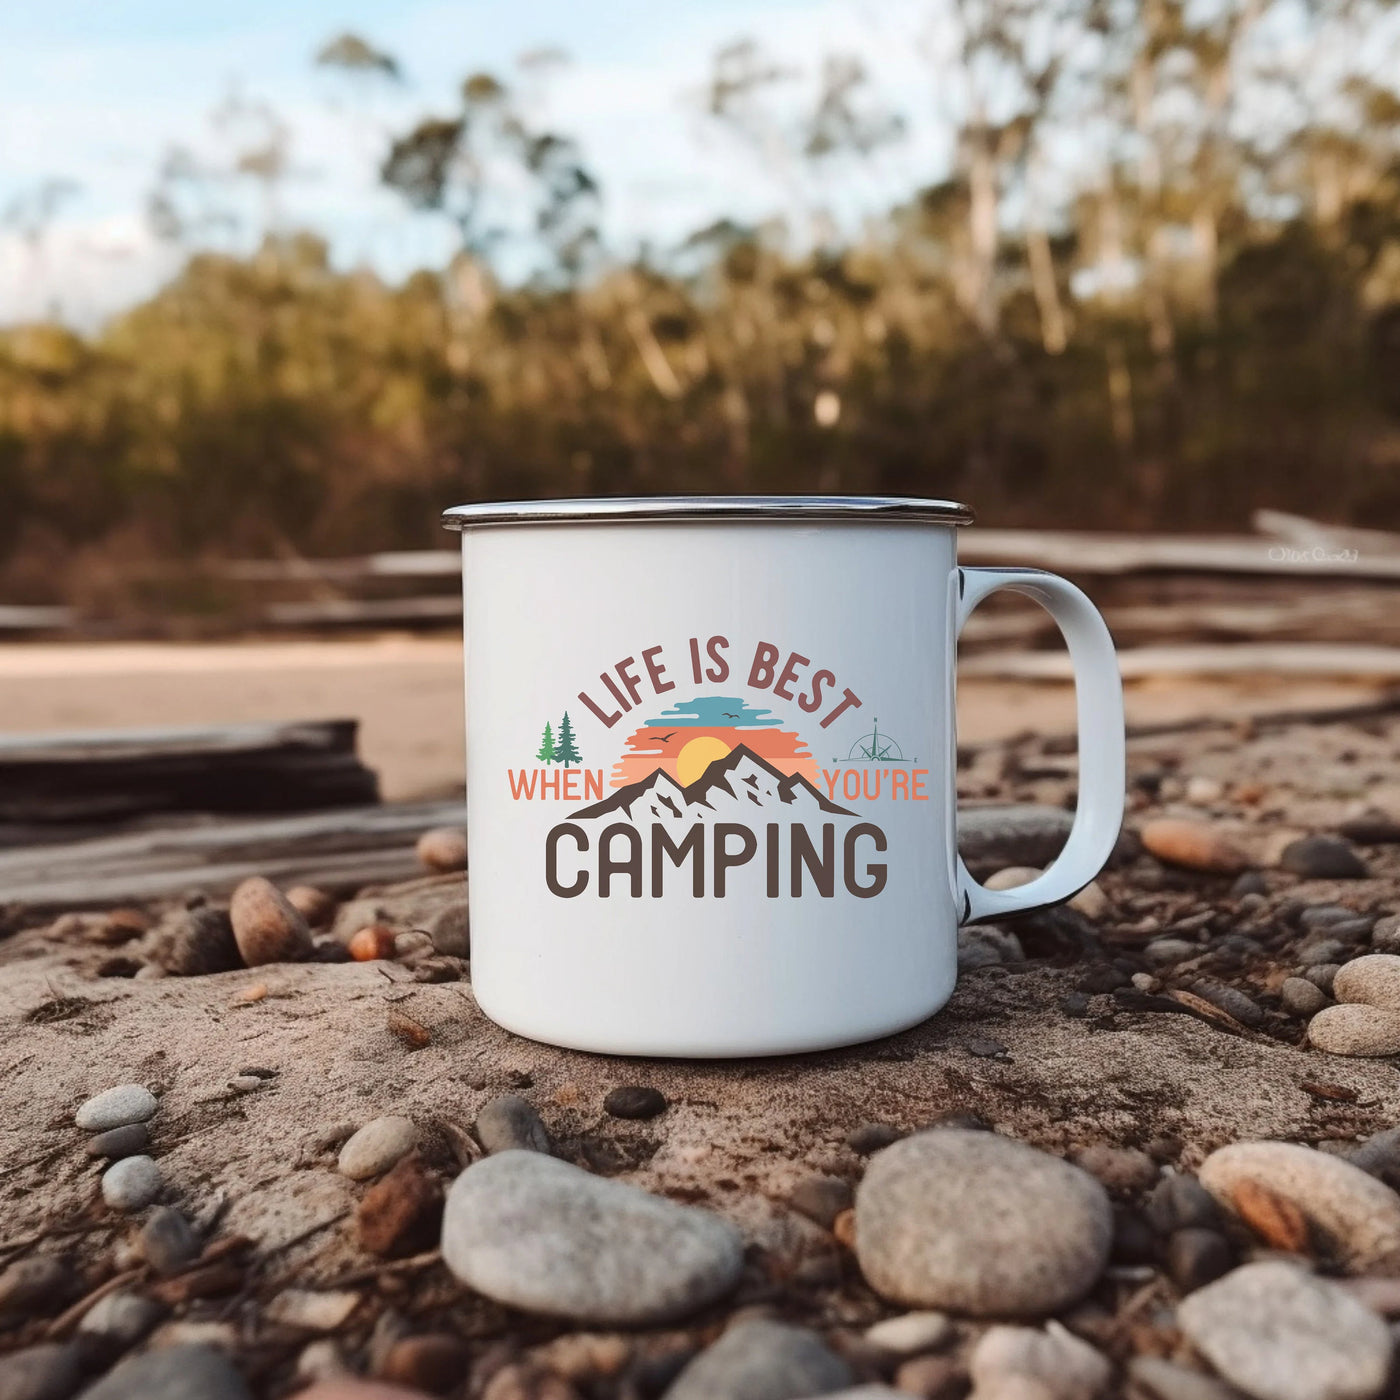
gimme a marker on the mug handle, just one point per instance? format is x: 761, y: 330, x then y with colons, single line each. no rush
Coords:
x: 1098, y: 690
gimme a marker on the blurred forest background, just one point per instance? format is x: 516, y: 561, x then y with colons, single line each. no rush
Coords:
x: 1159, y: 287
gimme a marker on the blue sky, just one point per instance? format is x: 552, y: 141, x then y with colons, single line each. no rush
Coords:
x: 96, y: 95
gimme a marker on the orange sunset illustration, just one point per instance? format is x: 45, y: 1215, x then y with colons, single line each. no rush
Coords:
x: 689, y: 737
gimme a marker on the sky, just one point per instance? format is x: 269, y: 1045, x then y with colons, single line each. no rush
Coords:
x: 93, y: 97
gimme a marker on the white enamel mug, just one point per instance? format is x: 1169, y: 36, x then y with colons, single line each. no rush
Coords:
x: 711, y: 795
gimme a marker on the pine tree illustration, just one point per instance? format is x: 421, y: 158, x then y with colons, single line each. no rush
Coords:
x: 565, y: 752
x: 546, y: 753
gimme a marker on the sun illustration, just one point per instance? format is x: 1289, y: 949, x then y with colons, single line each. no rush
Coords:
x: 686, y: 738
x: 697, y: 756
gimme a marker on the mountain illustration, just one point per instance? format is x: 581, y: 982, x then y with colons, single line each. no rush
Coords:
x: 732, y: 786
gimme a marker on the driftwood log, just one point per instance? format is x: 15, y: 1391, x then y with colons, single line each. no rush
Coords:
x: 108, y: 776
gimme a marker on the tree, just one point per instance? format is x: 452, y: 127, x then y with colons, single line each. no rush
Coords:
x: 565, y: 751
x: 546, y: 753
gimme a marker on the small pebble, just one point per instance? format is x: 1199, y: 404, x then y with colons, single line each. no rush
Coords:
x: 760, y: 1360
x: 267, y: 928
x: 347, y: 1388
x: 1371, y: 828
x: 1238, y: 1005
x: 131, y: 1184
x: 1157, y: 1379
x: 934, y: 1378
x: 1323, y: 858
x: 1060, y: 1365
x: 312, y: 1309
x: 1325, y: 915
x: 50, y: 1371
x: 31, y: 1283
x: 443, y: 849
x: 317, y: 907
x: 178, y: 1373
x: 1202, y: 790
x: 166, y: 1241
x: 1373, y: 979
x: 821, y: 1198
x: 1012, y: 877
x: 509, y: 1122
x: 911, y: 1333
x: 1321, y: 952
x: 1379, y: 1156
x: 1353, y: 1029
x: 1091, y: 901
x: 1123, y: 1169
x: 116, y: 1108
x: 1163, y: 952
x: 1299, y: 997
x: 1193, y: 846
x: 1075, y: 1004
x: 978, y: 1223
x: 1146, y: 982
x: 871, y: 1137
x: 376, y: 1147
x: 197, y: 942
x: 987, y: 946
x: 400, y: 1214
x: 1280, y: 1333
x: 1323, y: 976
x: 634, y: 1101
x: 247, y: 1083
x: 1385, y: 934
x: 1197, y: 1257
x: 434, y: 1361
x: 1357, y: 1216
x: 1248, y: 884
x: 1180, y: 1202
x: 532, y: 1232
x: 1133, y: 1239
x: 373, y: 943
x: 124, y: 1317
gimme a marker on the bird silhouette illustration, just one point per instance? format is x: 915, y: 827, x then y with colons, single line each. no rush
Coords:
x: 728, y: 714
x: 662, y: 738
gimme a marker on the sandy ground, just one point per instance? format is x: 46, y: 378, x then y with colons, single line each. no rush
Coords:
x: 407, y: 693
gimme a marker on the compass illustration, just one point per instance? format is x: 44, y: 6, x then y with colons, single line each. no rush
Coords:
x: 874, y: 748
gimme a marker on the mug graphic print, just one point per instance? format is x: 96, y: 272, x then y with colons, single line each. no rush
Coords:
x: 711, y: 768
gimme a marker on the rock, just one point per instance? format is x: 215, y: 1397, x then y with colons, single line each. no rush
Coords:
x: 1091, y: 901
x: 1355, y: 1029
x: 1013, y: 877
x: 433, y: 1361
x: 247, y: 1083
x: 1385, y: 934
x: 267, y: 928
x: 450, y: 930
x: 116, y: 1108
x: 910, y: 1333
x: 401, y: 1214
x: 987, y: 946
x: 933, y: 1377
x: 126, y: 1141
x: 1065, y: 1367
x: 1352, y: 932
x: 759, y: 1360
x: 1279, y: 1333
x: 124, y: 1317
x: 980, y: 1224
x: 1373, y: 979
x: 31, y: 1283
x: 1012, y: 835
x: 376, y: 1147
x: 1159, y: 1379
x: 1323, y: 976
x: 1379, y: 1156
x: 1193, y: 845
x: 166, y: 1241
x: 1250, y: 884
x: 871, y: 1137
x: 1180, y: 1202
x: 536, y: 1233
x: 1123, y: 1169
x: 1299, y: 997
x: 51, y: 1371
x: 317, y: 907
x: 1351, y: 1215
x: 131, y: 1184
x: 508, y: 1123
x: 634, y: 1101
x: 1202, y: 790
x: 178, y: 1373
x: 1371, y: 828
x: 313, y: 1310
x: 821, y: 1198
x: 444, y: 848
x: 373, y: 943
x: 1233, y: 1002
x: 346, y: 1388
x: 1197, y: 1257
x: 196, y: 942
x: 1322, y: 952
x: 1163, y: 952
x: 1323, y: 858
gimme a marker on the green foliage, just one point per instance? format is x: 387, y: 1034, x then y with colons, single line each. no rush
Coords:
x: 547, y: 753
x: 565, y: 750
